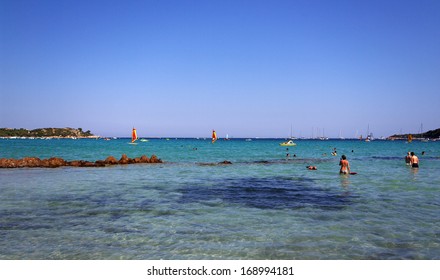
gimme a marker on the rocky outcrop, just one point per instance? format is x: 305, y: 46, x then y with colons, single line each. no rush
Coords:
x: 124, y: 160
x: 55, y: 162
x: 110, y: 160
x: 144, y: 159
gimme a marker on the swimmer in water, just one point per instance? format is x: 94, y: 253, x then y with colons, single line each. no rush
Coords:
x: 345, y: 165
x: 408, y: 159
x: 414, y: 160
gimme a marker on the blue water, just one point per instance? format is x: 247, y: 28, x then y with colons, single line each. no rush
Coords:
x: 262, y: 206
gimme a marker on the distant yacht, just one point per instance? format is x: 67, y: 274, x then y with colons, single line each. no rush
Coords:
x: 422, y: 137
x: 369, y: 135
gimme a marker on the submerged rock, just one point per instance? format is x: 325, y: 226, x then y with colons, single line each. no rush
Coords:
x: 225, y: 162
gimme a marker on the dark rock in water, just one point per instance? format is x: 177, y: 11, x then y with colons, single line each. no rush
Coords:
x: 124, y: 159
x: 30, y: 162
x: 154, y: 159
x: 84, y: 163
x: 136, y: 160
x: 225, y: 162
x: 58, y: 162
x: 88, y: 164
x: 8, y: 163
x: 206, y: 164
x: 100, y: 163
x: 53, y: 162
x: 144, y: 159
x: 75, y: 163
x: 262, y: 161
x: 111, y: 160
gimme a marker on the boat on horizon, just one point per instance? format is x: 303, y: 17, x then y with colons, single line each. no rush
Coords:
x: 369, y: 135
x: 291, y: 137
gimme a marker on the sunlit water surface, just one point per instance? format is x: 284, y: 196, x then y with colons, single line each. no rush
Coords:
x: 262, y: 206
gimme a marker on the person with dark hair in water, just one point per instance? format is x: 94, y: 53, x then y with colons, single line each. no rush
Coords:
x: 414, y: 160
x: 345, y: 165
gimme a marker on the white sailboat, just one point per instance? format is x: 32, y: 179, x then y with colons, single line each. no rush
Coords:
x: 291, y: 133
x: 369, y: 135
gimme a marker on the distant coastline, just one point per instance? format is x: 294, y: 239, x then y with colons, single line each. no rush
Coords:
x: 78, y: 133
x: 67, y: 132
x: 431, y: 134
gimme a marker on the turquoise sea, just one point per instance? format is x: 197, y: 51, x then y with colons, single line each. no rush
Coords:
x: 262, y: 206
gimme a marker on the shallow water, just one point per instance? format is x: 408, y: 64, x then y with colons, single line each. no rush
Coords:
x: 262, y: 206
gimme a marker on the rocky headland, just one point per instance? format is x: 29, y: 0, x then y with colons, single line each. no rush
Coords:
x: 431, y: 134
x: 54, y: 162
x: 66, y: 132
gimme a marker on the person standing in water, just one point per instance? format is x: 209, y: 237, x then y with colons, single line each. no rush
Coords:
x: 408, y: 159
x: 345, y: 165
x: 414, y: 160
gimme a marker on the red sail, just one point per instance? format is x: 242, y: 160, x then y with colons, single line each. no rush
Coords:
x: 133, y: 135
x: 214, y: 136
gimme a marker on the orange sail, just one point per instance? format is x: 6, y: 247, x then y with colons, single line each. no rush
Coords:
x: 214, y: 136
x: 410, y: 138
x: 134, y: 136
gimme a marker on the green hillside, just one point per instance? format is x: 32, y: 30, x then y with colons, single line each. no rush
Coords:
x: 45, y: 132
x: 432, y: 134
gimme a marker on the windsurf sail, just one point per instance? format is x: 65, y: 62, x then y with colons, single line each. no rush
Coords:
x: 214, y: 136
x: 410, y: 138
x: 134, y: 136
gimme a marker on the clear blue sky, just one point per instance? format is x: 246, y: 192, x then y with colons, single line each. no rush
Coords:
x: 244, y: 68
